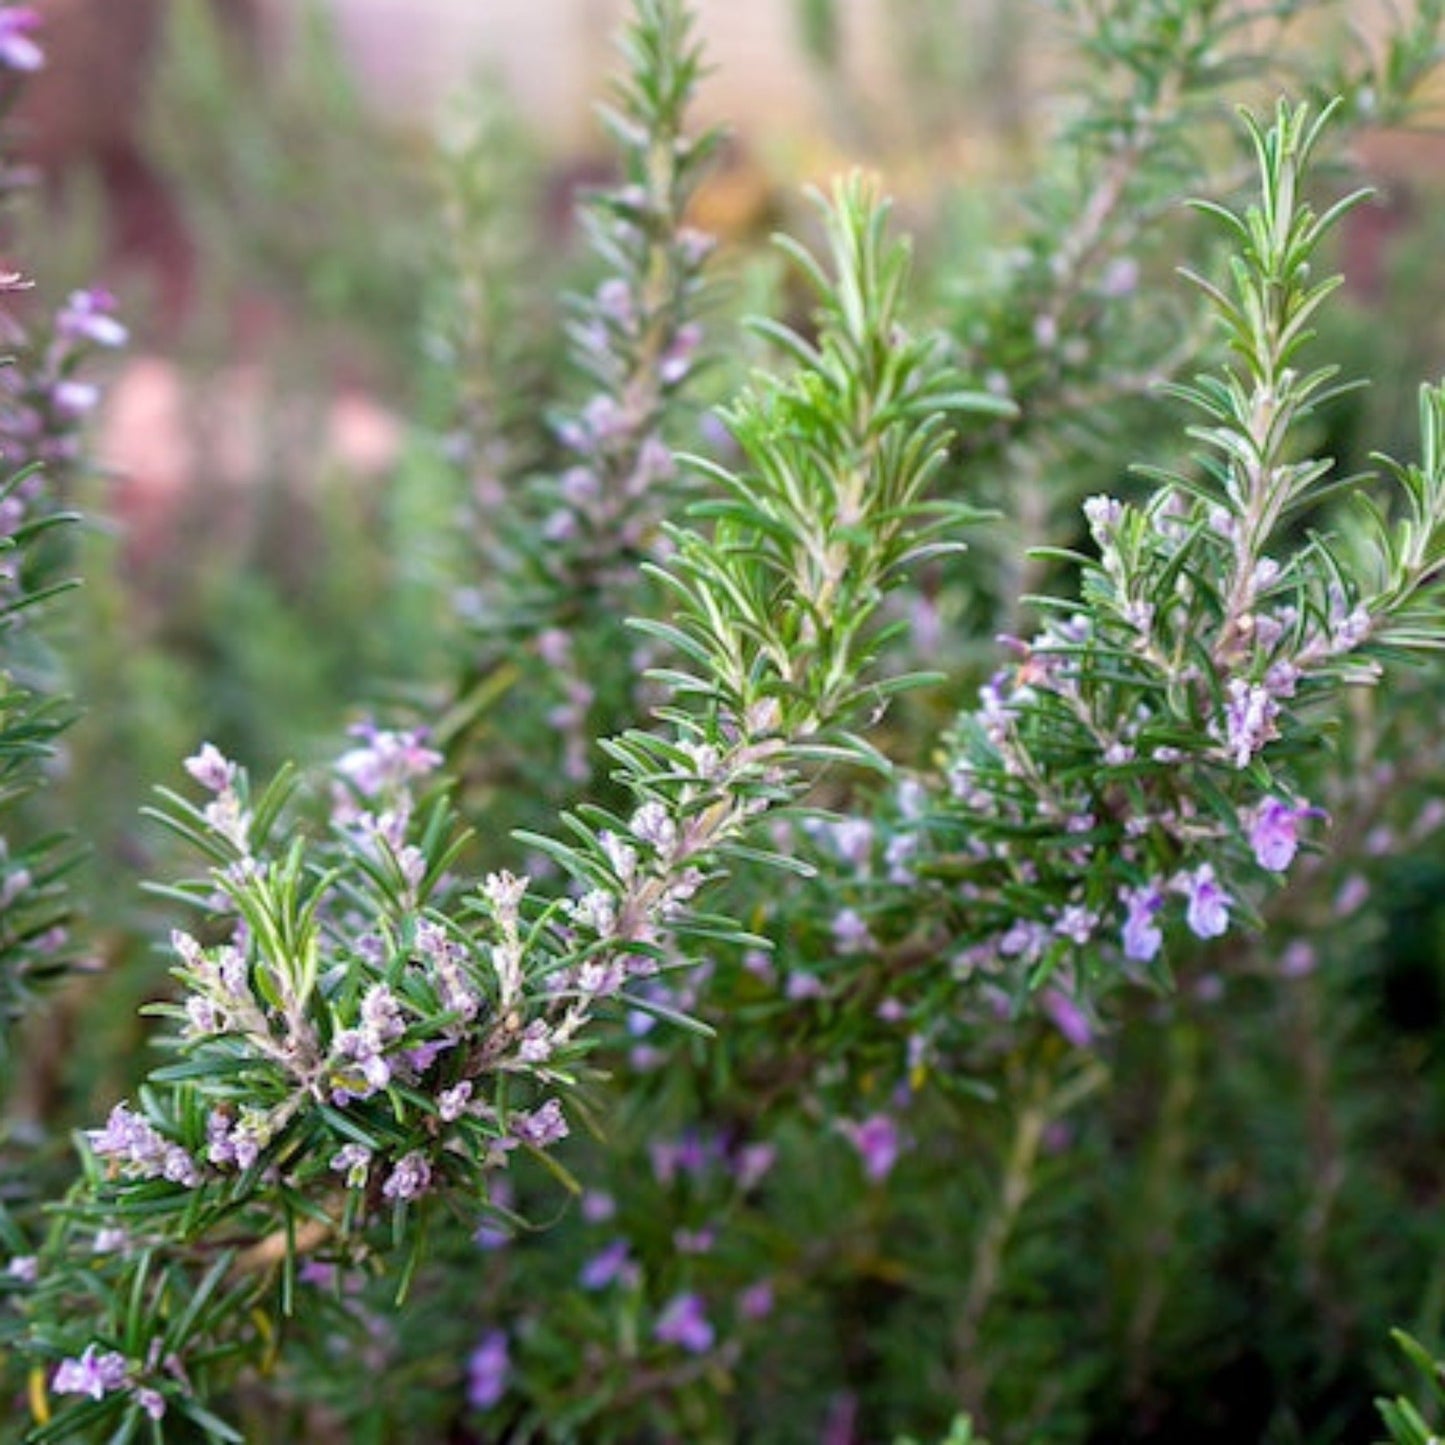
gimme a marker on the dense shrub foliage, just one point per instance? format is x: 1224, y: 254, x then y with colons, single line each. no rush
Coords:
x: 898, y: 897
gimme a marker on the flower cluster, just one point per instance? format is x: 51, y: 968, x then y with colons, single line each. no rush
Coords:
x: 99, y: 1374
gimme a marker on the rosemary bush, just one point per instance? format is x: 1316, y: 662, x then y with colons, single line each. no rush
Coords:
x: 799, y: 1012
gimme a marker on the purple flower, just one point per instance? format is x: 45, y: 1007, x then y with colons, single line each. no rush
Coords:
x: 850, y: 932
x: 752, y: 1163
x: 688, y: 1154
x: 803, y: 985
x: 17, y: 50
x: 487, y: 1369
x: 152, y: 1402
x: 684, y: 1323
x: 86, y: 316
x: 542, y: 1126
x: 756, y: 1302
x: 411, y: 1177
x: 1249, y: 720
x: 1142, y: 937
x: 1067, y: 1017
x: 92, y: 1374
x: 387, y: 759
x: 877, y: 1142
x: 140, y: 1149
x: 1352, y: 895
x: 1208, y: 908
x: 605, y: 1266
x: 1076, y: 923
x: 452, y: 1103
x: 1274, y: 832
x: 74, y: 399
x: 1298, y: 960
x: 598, y: 1207
x: 211, y: 769
x: 353, y: 1160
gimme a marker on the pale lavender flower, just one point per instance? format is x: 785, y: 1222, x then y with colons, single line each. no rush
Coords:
x: 225, y: 1145
x: 203, y: 1017
x: 541, y: 1127
x: 752, y: 1164
x: 180, y: 1168
x: 1024, y: 939
x: 756, y: 1302
x: 490, y: 1235
x: 152, y: 1402
x: 685, y: 1323
x: 1249, y: 720
x: 850, y: 932
x: 1274, y: 832
x: 87, y: 316
x: 410, y: 1178
x: 604, y: 1267
x: 622, y: 856
x: 211, y: 769
x: 1142, y: 936
x: 597, y: 1206
x: 24, y: 1267
x: 1103, y: 515
x: 535, y: 1045
x: 1076, y: 923
x: 1120, y: 278
x: 597, y: 909
x: 361, y: 1069
x: 1067, y: 1017
x: 1298, y: 959
x: 651, y: 824
x: 92, y: 1374
x: 386, y: 759
x: 140, y: 1149
x: 452, y: 1103
x: 13, y: 885
x: 853, y: 840
x: 1208, y: 904
x: 488, y: 1368
x: 877, y: 1141
x: 381, y: 1014
x: 1353, y: 893
x: 75, y: 398
x: 17, y: 50
x: 688, y: 1155
x: 353, y: 1160
x: 424, y: 1055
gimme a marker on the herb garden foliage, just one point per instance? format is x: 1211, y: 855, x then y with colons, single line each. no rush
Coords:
x: 830, y: 1069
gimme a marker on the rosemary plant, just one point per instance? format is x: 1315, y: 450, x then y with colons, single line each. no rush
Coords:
x: 364, y: 1036
x: 835, y: 1041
